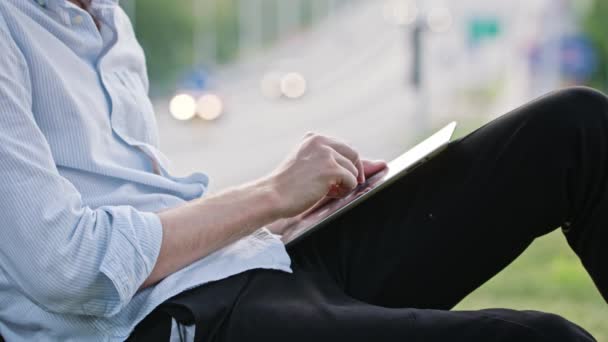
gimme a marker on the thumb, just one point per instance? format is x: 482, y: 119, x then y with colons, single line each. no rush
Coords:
x: 371, y: 167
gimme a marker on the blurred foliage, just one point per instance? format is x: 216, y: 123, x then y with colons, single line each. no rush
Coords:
x: 227, y: 29
x: 167, y: 30
x: 595, y: 27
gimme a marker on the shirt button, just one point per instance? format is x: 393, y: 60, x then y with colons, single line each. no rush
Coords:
x: 77, y: 20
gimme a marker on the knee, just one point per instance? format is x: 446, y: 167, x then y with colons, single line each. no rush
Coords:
x: 568, y: 112
x: 513, y: 325
x: 556, y: 328
x: 585, y: 97
x: 582, y: 106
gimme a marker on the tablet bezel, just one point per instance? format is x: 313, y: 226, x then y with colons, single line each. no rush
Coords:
x: 402, y: 165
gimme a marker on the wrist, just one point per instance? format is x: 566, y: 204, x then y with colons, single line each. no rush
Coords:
x: 270, y: 197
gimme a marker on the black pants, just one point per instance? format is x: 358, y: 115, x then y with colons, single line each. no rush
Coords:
x: 391, y: 269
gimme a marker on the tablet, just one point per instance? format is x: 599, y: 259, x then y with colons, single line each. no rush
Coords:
x: 401, y: 166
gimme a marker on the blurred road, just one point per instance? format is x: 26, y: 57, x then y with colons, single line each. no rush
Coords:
x: 357, y: 68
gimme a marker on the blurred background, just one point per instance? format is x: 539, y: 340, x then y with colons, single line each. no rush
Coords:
x: 237, y: 83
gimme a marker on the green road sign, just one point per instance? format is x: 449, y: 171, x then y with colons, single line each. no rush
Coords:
x: 483, y: 28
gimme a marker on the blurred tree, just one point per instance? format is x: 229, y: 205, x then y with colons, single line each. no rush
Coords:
x: 595, y: 26
x: 167, y: 29
x: 164, y: 30
x: 227, y: 29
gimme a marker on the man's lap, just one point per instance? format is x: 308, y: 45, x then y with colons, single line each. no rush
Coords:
x: 387, y: 269
x: 308, y: 306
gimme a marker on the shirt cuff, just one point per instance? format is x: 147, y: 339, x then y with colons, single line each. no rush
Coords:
x: 132, y: 252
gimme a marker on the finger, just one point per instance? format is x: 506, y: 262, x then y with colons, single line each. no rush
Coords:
x: 345, y: 182
x: 371, y: 167
x: 318, y: 205
x: 346, y: 163
x: 349, y: 153
x: 349, y: 181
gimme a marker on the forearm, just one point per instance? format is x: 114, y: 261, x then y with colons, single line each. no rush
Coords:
x: 320, y: 166
x: 201, y: 227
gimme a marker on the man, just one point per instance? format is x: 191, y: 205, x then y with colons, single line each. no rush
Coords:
x: 97, y: 234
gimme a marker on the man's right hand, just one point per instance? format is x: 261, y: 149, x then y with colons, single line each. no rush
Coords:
x: 320, y: 166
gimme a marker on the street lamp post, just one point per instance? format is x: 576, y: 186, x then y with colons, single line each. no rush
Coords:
x: 417, y: 76
x: 416, y: 69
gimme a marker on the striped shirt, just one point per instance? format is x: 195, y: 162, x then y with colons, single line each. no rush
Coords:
x: 82, y: 177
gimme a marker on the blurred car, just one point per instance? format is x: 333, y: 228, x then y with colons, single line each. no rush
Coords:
x: 194, y: 97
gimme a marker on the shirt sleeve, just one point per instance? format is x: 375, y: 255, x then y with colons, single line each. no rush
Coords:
x: 63, y: 255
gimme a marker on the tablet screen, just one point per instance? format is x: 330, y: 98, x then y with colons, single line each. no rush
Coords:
x: 396, y: 168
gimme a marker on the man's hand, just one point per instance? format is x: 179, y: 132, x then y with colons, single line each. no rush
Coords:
x: 320, y: 166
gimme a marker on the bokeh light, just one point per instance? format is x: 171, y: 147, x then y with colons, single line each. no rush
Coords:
x: 440, y: 19
x: 182, y: 107
x: 270, y: 85
x: 400, y: 12
x: 209, y: 107
x: 293, y: 85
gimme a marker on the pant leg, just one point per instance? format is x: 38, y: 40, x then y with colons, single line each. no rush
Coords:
x: 309, y: 306
x: 430, y: 239
x: 441, y: 232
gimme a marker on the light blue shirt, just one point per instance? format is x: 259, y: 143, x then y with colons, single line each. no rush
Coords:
x: 81, y: 178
